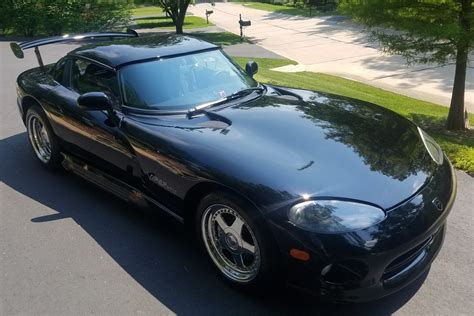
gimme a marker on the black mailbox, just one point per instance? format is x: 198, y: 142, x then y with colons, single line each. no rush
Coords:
x: 208, y: 13
x: 243, y: 23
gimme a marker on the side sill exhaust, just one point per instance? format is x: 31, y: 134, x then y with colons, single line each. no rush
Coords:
x: 113, y: 185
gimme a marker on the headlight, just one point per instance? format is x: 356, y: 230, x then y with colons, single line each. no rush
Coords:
x: 432, y: 147
x: 333, y: 216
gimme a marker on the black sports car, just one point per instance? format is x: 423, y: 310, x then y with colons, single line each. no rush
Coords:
x: 334, y: 195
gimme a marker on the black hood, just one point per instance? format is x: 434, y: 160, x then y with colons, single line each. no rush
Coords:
x: 280, y: 148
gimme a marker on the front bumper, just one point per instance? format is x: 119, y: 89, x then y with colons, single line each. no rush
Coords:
x: 378, y: 261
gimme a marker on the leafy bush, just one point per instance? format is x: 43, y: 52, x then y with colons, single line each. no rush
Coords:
x: 26, y: 16
x: 53, y: 17
x: 101, y: 15
x: 5, y: 16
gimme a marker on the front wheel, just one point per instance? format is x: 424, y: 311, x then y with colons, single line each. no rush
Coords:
x: 241, y: 250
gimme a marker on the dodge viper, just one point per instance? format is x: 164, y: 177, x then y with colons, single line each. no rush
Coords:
x: 329, y: 194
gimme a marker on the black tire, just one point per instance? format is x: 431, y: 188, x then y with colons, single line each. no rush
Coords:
x: 51, y: 157
x: 268, y: 269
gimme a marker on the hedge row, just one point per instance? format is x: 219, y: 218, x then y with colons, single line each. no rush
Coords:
x: 54, y: 17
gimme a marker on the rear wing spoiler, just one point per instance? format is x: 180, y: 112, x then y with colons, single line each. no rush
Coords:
x: 18, y: 49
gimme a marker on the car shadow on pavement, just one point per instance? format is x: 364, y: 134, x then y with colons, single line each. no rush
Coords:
x: 156, y: 251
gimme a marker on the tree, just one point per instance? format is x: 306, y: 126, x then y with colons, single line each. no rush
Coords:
x: 27, y: 16
x: 96, y: 15
x: 58, y: 15
x: 429, y: 31
x: 6, y: 21
x: 176, y: 9
x: 54, y: 17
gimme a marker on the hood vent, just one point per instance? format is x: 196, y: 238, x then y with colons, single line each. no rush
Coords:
x: 287, y: 95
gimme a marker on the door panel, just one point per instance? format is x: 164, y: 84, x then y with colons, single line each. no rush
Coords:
x: 167, y: 173
x: 91, y: 134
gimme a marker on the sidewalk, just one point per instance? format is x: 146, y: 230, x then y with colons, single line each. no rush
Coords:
x: 336, y: 46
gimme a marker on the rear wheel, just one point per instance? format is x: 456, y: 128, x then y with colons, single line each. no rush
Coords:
x: 239, y: 248
x: 42, y: 139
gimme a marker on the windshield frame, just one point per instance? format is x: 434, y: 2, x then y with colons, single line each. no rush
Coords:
x: 137, y: 110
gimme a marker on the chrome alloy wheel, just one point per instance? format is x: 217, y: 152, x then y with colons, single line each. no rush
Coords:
x: 231, y: 243
x: 39, y: 138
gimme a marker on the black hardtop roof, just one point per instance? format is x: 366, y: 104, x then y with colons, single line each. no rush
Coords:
x: 130, y: 50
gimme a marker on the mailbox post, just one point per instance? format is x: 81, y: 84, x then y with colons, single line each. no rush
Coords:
x: 243, y: 23
x: 208, y: 13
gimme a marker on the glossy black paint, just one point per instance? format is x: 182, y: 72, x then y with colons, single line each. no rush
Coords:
x: 18, y: 49
x: 73, y: 38
x: 274, y: 151
x: 94, y: 101
x: 121, y: 52
x: 414, y: 228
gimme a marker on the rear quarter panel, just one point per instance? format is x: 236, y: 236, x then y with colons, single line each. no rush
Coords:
x: 34, y: 85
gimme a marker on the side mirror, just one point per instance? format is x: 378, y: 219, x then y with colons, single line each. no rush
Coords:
x: 251, y: 68
x: 94, y: 101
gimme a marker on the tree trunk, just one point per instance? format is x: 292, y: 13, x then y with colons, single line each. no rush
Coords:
x: 176, y: 9
x: 174, y: 14
x: 179, y: 21
x: 181, y: 16
x: 179, y: 27
x: 456, y: 108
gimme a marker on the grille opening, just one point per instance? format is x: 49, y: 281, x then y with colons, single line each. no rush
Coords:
x: 349, y: 272
x: 403, y: 261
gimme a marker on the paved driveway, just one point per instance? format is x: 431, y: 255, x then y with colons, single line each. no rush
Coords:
x: 67, y: 248
x: 335, y: 46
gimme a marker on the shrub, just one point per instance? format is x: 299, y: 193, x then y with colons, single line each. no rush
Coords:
x: 5, y: 16
x: 54, y: 17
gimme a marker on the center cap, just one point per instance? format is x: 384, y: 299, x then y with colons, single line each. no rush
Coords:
x: 231, y: 241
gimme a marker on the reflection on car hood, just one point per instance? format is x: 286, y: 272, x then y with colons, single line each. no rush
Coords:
x: 318, y: 146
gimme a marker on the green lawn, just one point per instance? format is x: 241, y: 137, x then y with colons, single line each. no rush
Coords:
x: 459, y: 146
x: 147, y: 11
x: 190, y: 22
x: 221, y: 38
x: 285, y: 8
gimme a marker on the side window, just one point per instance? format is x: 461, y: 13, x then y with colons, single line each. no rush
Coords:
x: 58, y: 72
x: 90, y: 77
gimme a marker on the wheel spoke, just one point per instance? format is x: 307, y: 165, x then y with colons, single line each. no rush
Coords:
x: 45, y: 137
x: 246, y: 247
x: 221, y: 241
x: 220, y: 221
x: 238, y: 260
x: 237, y: 226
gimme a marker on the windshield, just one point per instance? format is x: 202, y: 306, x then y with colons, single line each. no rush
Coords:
x: 182, y: 82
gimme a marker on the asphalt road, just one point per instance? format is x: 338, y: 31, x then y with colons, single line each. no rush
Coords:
x: 67, y: 248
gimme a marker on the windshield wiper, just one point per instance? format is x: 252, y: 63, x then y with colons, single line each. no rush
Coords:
x: 245, y: 91
x: 235, y: 95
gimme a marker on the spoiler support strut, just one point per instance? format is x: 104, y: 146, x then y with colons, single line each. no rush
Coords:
x: 38, y: 56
